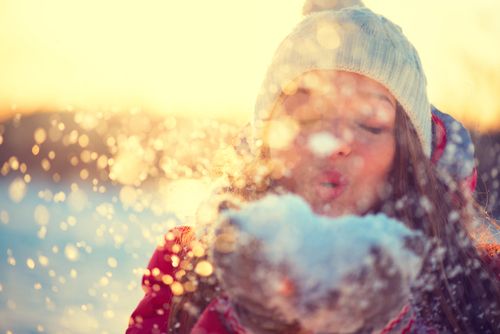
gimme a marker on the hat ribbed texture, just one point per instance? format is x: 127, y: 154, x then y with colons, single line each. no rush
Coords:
x: 357, y: 40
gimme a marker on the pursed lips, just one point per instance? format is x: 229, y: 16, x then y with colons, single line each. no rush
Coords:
x: 330, y: 184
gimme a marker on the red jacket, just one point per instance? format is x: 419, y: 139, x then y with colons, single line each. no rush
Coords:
x: 151, y: 315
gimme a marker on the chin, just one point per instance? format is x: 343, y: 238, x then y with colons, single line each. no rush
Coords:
x: 329, y: 211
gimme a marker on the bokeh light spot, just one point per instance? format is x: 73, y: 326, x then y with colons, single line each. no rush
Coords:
x: 41, y: 215
x: 204, y: 268
x: 17, y: 190
x: 71, y: 252
x: 177, y: 288
x: 40, y: 135
x: 112, y: 262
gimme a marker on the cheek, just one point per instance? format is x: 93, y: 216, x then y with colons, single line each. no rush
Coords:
x: 377, y: 158
x: 293, y: 163
x: 295, y: 154
x: 289, y: 157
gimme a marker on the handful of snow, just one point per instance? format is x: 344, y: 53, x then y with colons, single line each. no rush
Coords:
x: 329, y: 275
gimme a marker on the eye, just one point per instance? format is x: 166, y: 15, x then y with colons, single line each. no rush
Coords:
x: 310, y: 122
x: 371, y: 129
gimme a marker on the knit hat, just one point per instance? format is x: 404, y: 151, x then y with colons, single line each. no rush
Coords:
x: 345, y: 35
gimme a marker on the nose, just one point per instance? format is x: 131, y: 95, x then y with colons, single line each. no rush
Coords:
x: 330, y: 144
x: 342, y: 149
x: 329, y: 140
x: 344, y: 138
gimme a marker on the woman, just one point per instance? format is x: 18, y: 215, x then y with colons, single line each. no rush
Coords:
x: 343, y: 121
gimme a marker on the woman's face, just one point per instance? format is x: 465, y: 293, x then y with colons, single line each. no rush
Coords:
x: 333, y: 132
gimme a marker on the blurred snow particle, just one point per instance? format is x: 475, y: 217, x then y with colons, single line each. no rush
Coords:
x: 56, y: 177
x: 494, y: 173
x: 184, y: 196
x: 43, y: 260
x: 127, y: 167
x: 77, y: 199
x: 30, y: 263
x: 327, y: 35
x: 71, y: 252
x: 46, y: 195
x: 84, y: 174
x: 85, y: 156
x: 59, y: 197
x: 11, y: 260
x: 426, y: 204
x: 4, y: 217
x: 49, y: 304
x: 14, y: 163
x: 45, y: 164
x: 322, y: 143
x: 83, y: 141
x: 102, y: 162
x: 71, y: 221
x: 453, y: 216
x: 10, y: 257
x: 40, y: 135
x: 42, y: 232
x: 109, y: 314
x: 112, y: 262
x: 73, y: 273
x: 17, y: 190
x: 41, y: 215
x: 197, y: 248
x: 63, y: 226
x: 204, y: 268
x: 281, y: 132
x: 454, y: 271
x: 176, y: 288
x: 106, y: 210
x: 103, y: 281
x: 128, y: 196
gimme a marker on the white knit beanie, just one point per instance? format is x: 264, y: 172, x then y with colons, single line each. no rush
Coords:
x: 345, y: 35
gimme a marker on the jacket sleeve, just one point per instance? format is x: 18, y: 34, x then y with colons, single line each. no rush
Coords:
x: 152, y: 313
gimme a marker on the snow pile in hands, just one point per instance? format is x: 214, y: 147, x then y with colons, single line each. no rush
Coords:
x: 346, y: 273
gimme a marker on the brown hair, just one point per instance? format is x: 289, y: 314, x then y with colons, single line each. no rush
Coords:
x: 456, y: 290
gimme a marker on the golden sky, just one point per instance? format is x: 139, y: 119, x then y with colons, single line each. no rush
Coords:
x: 209, y: 57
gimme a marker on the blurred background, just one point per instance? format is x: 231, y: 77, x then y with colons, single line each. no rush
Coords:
x: 114, y: 113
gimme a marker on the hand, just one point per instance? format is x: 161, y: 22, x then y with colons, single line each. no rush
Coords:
x: 244, y: 274
x: 328, y: 275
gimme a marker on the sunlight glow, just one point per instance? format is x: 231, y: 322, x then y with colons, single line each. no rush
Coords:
x: 208, y: 58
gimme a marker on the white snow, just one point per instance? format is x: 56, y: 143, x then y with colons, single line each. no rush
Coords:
x: 322, y: 144
x: 320, y: 252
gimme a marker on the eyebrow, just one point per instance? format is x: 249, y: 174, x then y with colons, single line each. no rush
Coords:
x: 303, y: 90
x: 284, y: 97
x: 382, y: 97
